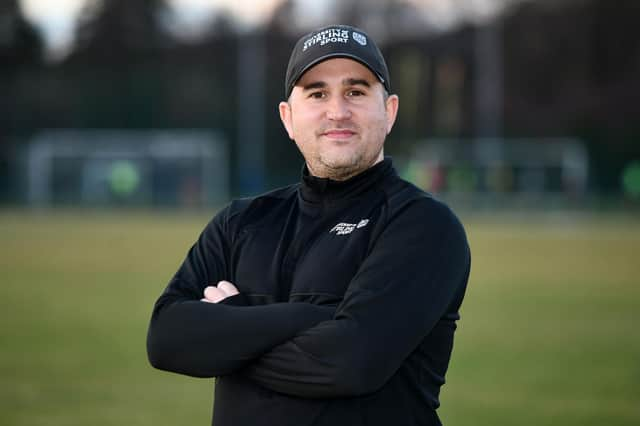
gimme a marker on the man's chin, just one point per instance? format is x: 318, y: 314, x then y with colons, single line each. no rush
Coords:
x: 340, y: 168
x: 337, y: 163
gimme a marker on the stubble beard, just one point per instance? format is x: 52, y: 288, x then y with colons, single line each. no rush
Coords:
x: 345, y: 166
x: 342, y: 170
x: 349, y: 165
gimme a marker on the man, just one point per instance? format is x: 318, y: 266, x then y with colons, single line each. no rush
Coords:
x: 332, y: 301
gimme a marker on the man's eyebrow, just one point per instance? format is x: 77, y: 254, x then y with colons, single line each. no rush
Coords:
x: 355, y: 82
x: 346, y: 82
x: 315, y: 85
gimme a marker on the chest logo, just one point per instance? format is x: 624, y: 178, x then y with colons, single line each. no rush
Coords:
x: 344, y: 228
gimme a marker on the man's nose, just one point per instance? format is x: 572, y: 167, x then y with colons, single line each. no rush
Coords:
x: 338, y: 109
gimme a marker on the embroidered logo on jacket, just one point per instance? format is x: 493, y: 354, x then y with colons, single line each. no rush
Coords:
x: 344, y: 228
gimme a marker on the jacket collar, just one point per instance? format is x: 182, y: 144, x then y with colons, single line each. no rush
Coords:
x: 320, y: 190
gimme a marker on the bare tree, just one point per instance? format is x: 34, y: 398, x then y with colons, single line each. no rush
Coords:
x: 113, y: 27
x: 20, y: 42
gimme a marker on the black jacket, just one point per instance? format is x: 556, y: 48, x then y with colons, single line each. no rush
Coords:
x: 349, y: 296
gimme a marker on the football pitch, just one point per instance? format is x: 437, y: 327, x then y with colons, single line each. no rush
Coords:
x: 549, y: 332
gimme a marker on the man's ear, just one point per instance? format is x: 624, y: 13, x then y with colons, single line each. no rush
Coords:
x: 392, y: 104
x: 285, y: 117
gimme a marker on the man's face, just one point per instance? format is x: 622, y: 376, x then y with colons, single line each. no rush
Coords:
x: 338, y: 116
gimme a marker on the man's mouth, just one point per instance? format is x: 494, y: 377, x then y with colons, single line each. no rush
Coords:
x: 339, y: 133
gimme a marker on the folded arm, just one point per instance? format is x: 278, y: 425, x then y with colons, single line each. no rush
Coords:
x: 415, y: 274
x: 189, y: 336
x: 213, y: 339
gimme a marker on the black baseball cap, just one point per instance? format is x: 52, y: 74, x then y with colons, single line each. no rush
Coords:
x: 335, y: 41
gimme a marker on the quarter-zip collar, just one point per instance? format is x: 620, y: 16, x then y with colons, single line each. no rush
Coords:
x: 317, y: 190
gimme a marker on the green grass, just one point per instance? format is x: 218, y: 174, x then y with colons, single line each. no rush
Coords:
x: 548, y: 333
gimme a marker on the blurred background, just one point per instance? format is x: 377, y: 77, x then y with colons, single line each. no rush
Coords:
x: 124, y: 126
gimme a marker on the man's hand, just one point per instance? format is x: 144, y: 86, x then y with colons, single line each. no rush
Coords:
x: 220, y: 292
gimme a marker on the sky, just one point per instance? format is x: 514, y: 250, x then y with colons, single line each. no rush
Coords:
x: 55, y: 19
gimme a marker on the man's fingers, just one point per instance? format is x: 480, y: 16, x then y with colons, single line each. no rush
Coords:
x: 223, y: 290
x: 214, y: 294
x: 227, y: 288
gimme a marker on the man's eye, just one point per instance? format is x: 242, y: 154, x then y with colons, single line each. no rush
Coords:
x: 317, y: 95
x: 354, y: 93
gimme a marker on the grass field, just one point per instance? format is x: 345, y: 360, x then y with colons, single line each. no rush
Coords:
x: 549, y: 335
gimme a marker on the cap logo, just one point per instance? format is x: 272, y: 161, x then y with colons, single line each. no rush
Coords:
x: 331, y: 35
x: 359, y: 38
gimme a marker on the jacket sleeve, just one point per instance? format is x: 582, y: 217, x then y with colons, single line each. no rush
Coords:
x: 415, y: 273
x: 201, y: 339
